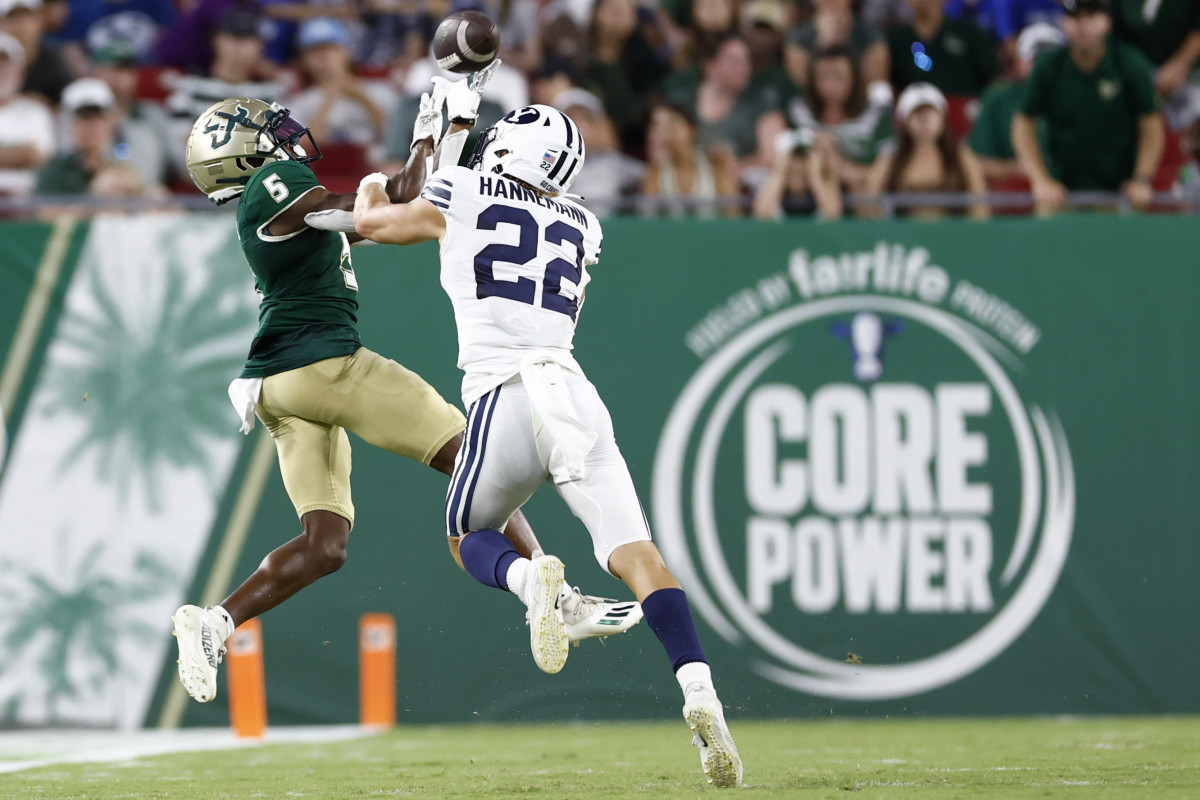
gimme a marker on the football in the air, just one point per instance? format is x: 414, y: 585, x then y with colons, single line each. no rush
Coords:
x: 466, y: 41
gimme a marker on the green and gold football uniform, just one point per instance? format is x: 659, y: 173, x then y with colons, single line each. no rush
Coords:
x: 309, y: 292
x: 318, y: 379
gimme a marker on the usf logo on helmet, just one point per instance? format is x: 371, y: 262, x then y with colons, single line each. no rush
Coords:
x: 235, y: 137
x: 221, y: 125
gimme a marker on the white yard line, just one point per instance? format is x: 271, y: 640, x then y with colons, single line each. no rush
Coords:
x: 29, y: 749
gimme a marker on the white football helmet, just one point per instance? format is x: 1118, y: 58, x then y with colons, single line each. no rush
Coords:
x: 235, y: 137
x: 539, y: 145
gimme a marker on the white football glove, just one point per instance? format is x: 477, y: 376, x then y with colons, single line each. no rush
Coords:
x: 429, y: 116
x: 462, y: 97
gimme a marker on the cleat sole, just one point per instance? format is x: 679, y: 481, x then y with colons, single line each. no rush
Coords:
x: 719, y: 758
x: 547, y: 633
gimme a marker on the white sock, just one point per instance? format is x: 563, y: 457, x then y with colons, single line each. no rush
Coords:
x: 228, y: 620
x: 692, y: 673
x: 518, y: 571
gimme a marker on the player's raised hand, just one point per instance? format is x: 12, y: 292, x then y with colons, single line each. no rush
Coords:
x: 477, y: 80
x: 428, y: 124
x: 462, y: 97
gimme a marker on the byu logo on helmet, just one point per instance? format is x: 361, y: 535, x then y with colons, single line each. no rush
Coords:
x: 523, y: 116
x: 538, y: 145
x: 922, y: 504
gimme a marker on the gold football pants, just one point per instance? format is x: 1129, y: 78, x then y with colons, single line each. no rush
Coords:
x: 308, y: 411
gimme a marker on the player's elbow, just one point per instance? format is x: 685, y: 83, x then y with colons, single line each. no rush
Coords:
x: 369, y: 224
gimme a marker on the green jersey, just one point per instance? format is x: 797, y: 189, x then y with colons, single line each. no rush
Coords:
x: 63, y: 175
x: 309, y: 293
x: 963, y: 58
x: 991, y: 135
x: 1092, y: 117
x: 1158, y: 27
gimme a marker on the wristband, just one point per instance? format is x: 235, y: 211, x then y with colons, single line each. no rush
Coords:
x: 376, y: 178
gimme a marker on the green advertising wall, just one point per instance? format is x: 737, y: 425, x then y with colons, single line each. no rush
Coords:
x: 900, y: 469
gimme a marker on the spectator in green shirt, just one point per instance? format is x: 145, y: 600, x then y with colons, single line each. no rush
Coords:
x: 1101, y: 108
x: 955, y: 56
x: 762, y: 26
x: 1168, y: 33
x: 622, y: 69
x: 90, y: 103
x: 991, y: 136
x: 834, y: 24
x: 728, y: 110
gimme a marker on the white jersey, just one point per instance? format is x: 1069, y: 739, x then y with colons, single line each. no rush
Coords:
x: 514, y: 264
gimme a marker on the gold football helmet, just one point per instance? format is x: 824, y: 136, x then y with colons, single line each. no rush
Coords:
x: 235, y: 137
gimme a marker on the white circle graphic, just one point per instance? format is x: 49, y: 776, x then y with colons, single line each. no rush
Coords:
x: 1040, y: 445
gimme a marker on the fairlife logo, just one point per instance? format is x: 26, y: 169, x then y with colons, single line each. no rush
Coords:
x: 861, y: 468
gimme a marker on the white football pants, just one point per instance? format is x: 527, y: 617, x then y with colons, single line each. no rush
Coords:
x: 503, y: 460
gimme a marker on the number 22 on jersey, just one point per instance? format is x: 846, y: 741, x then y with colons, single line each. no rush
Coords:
x: 523, y: 289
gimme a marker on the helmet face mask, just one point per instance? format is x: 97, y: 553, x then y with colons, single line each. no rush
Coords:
x: 233, y: 138
x: 538, y: 145
x: 286, y: 132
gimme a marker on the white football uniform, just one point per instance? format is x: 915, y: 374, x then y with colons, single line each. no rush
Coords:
x: 514, y: 265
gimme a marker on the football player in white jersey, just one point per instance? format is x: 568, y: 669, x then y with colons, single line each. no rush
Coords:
x: 515, y: 252
x: 308, y: 377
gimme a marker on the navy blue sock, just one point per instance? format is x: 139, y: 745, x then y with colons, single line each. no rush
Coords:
x: 667, y: 612
x: 487, y: 555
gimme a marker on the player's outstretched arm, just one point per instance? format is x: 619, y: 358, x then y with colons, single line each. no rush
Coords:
x: 318, y: 208
x: 461, y: 99
x: 327, y: 211
x: 427, y: 131
x: 408, y: 182
x: 379, y: 220
x: 332, y: 212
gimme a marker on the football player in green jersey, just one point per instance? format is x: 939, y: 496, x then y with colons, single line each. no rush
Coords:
x: 308, y: 378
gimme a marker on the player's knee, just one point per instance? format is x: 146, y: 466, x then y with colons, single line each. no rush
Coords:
x: 331, y: 557
x: 328, y: 536
x: 635, y: 557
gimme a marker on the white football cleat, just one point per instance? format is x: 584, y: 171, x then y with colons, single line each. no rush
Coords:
x: 547, y: 632
x: 200, y: 634
x: 718, y: 754
x: 586, y: 616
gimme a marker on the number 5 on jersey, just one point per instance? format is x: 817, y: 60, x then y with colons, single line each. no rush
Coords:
x: 273, y: 184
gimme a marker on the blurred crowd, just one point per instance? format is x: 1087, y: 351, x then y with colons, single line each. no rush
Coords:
x: 775, y: 108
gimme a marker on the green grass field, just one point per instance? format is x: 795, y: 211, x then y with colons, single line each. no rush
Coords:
x: 1001, y: 758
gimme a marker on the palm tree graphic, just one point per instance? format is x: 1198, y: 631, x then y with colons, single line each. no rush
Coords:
x: 154, y: 378
x: 74, y: 617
